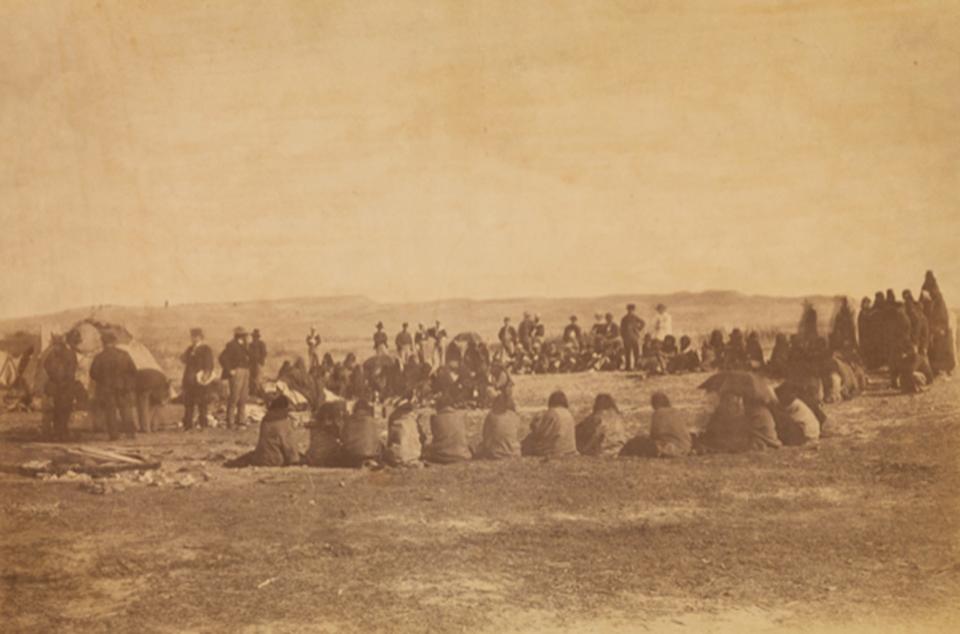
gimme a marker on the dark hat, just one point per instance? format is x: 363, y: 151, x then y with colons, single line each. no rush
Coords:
x: 631, y: 306
x: 256, y: 332
x: 379, y: 324
x: 661, y: 307
x: 406, y: 325
x: 573, y: 318
x: 196, y: 332
x: 659, y: 400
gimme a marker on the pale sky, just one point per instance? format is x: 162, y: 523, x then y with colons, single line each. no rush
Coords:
x: 408, y: 150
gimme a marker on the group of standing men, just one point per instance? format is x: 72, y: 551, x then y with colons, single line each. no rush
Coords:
x: 119, y: 386
x: 241, y: 362
x: 427, y: 344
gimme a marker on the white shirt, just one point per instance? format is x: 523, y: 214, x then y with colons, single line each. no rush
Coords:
x: 662, y: 326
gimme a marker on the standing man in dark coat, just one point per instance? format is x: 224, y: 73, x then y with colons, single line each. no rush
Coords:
x: 631, y: 327
x: 115, y: 374
x: 525, y: 332
x: 508, y: 338
x: 197, y: 375
x: 235, y: 361
x: 380, y: 341
x: 61, y: 368
x: 258, y: 357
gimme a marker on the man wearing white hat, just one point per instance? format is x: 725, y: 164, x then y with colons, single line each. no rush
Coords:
x: 235, y: 361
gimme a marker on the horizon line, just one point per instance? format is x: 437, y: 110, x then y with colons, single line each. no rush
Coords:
x: 95, y: 307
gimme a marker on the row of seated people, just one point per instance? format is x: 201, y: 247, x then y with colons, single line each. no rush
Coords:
x: 669, y: 356
x: 832, y: 374
x: 601, y: 354
x: 439, y: 435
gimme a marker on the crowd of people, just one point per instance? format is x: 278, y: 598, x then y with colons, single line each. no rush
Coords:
x: 912, y: 339
x: 748, y: 416
x: 608, y: 345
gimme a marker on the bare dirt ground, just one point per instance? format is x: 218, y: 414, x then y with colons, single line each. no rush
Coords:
x: 861, y: 532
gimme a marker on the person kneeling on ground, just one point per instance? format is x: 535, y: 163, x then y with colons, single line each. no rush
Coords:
x: 669, y: 433
x: 552, y: 434
x: 500, y: 430
x: 448, y: 430
x: 601, y: 433
x: 325, y: 449
x: 796, y: 423
x: 276, y: 446
x: 360, y: 437
x: 404, y: 437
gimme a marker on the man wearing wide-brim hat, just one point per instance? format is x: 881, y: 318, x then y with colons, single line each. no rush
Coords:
x: 235, y: 361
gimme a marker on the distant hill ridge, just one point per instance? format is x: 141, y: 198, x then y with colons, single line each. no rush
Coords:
x: 364, y: 304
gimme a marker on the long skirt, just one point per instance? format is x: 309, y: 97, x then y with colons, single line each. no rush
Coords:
x: 943, y: 358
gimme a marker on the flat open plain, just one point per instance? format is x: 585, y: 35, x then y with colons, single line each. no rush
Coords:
x: 862, y: 531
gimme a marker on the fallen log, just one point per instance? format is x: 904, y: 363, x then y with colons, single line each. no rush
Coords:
x: 98, y: 470
x: 95, y: 452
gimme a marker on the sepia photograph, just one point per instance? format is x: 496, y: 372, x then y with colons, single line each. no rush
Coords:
x: 479, y: 316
